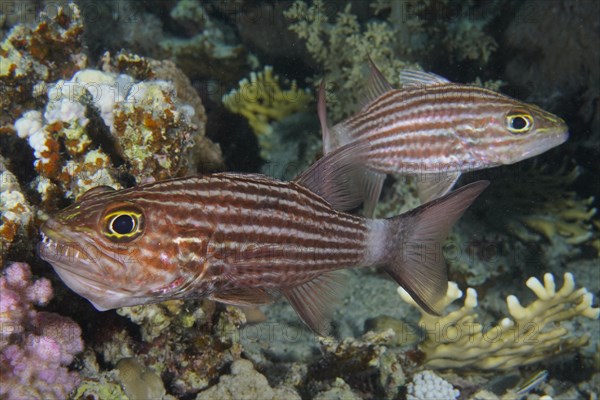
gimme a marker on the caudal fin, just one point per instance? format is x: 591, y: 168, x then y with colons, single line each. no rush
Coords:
x: 415, y: 242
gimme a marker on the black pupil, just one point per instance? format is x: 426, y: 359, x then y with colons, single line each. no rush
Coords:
x: 123, y: 224
x: 519, y: 123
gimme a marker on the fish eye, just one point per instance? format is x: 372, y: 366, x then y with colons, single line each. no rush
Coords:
x: 123, y: 225
x: 519, y: 122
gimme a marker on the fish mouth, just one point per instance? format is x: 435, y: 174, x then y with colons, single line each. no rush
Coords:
x: 536, y: 145
x: 79, y: 273
x: 548, y: 140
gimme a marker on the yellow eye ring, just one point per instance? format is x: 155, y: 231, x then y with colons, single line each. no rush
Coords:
x: 123, y: 225
x: 519, y: 123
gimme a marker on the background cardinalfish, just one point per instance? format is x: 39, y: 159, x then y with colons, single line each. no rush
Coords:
x: 246, y: 239
x: 434, y: 129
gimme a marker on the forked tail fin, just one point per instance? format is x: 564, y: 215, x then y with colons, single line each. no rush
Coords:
x: 413, y: 255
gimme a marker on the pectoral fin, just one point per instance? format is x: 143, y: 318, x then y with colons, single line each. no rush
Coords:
x: 371, y: 183
x: 314, y: 300
x: 433, y: 186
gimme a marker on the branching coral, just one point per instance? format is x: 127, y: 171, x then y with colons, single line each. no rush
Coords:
x: 35, y: 347
x: 534, y: 333
x: 261, y: 100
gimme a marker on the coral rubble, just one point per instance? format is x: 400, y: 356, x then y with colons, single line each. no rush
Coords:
x: 534, y: 333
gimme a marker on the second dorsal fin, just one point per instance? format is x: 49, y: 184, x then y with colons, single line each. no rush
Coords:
x: 411, y: 77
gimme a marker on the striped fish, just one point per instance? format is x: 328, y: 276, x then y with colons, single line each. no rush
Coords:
x: 246, y: 239
x: 435, y: 130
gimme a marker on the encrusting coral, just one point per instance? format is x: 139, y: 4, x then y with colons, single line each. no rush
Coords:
x: 534, y: 333
x: 16, y: 212
x: 49, y: 51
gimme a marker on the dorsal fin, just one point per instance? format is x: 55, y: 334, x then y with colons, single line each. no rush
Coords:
x: 377, y: 85
x: 411, y: 77
x: 331, y: 177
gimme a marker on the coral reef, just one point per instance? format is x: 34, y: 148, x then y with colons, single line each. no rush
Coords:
x: 17, y: 213
x: 139, y: 382
x: 535, y: 332
x: 360, y: 362
x: 152, y: 131
x: 190, y: 343
x: 49, y: 51
x: 35, y: 346
x: 245, y: 382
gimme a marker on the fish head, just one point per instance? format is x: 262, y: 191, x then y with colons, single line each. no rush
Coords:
x: 513, y: 131
x: 115, y: 250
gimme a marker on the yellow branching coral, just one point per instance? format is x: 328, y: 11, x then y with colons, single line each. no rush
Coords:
x: 261, y: 100
x: 532, y: 334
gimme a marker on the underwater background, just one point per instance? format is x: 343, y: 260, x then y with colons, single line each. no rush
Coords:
x: 231, y: 86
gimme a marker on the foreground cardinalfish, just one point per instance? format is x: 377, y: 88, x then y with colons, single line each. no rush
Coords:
x: 247, y: 239
x: 434, y: 129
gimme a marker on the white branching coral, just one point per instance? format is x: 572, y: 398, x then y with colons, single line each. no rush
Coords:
x: 532, y: 334
x: 428, y: 386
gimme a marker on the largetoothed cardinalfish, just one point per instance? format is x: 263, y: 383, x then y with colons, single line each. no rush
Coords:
x: 245, y: 239
x: 434, y: 130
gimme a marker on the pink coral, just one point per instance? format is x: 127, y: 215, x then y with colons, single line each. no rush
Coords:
x: 35, y: 346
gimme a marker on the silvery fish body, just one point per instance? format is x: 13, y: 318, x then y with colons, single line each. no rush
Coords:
x: 245, y: 239
x: 434, y: 129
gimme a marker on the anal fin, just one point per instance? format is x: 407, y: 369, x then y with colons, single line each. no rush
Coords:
x: 314, y: 300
